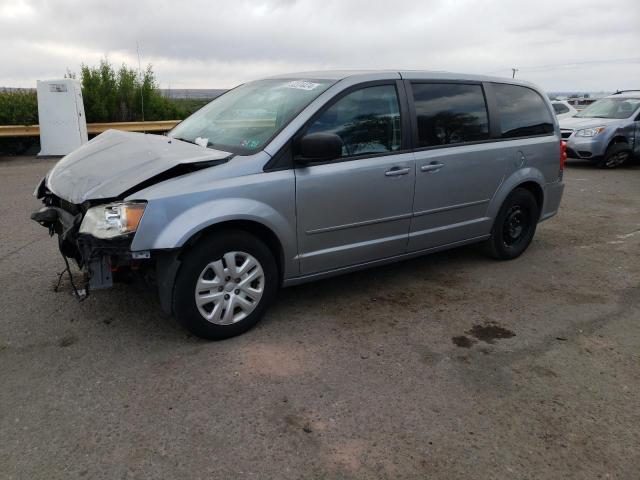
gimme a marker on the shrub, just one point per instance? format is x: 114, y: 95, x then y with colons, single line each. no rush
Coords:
x: 112, y: 95
x: 109, y: 95
x: 18, y: 107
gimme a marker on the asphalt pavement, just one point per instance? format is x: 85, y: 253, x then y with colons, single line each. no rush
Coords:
x: 450, y: 366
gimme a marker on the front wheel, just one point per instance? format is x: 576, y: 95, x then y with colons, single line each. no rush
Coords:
x: 515, y: 225
x: 224, y: 285
x: 615, y: 156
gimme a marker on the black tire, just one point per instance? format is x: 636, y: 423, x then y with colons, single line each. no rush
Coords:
x: 208, y: 249
x: 616, y: 155
x: 515, y: 225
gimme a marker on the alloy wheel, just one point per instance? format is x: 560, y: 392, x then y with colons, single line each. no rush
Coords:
x: 617, y: 159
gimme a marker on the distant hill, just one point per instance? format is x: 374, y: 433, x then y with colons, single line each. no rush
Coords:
x: 204, y: 93
x: 579, y: 94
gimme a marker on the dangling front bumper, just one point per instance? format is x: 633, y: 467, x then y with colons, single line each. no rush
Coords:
x: 98, y: 259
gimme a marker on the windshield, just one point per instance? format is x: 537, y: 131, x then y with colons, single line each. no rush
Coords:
x: 244, y: 119
x: 611, y: 108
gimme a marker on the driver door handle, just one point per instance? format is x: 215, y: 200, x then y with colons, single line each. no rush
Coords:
x: 396, y: 171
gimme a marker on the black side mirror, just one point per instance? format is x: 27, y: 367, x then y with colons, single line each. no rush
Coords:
x: 318, y: 147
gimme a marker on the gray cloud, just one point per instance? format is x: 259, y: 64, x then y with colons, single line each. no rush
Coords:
x: 212, y: 44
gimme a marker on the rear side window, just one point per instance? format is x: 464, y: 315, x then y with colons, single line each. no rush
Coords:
x: 522, y: 112
x: 449, y: 113
x: 367, y: 121
x: 560, y: 108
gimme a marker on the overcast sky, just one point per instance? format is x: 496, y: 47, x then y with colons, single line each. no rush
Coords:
x: 586, y: 45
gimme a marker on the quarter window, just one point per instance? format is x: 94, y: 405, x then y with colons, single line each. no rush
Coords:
x: 449, y: 113
x: 367, y: 121
x: 522, y: 112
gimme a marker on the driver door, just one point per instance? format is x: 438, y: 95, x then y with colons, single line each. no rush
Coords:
x: 357, y: 208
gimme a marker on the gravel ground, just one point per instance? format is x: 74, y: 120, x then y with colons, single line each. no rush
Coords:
x: 450, y: 366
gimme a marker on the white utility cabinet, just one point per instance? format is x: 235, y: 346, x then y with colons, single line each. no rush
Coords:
x: 63, y: 127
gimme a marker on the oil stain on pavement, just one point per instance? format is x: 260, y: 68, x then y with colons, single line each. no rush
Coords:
x: 488, y: 333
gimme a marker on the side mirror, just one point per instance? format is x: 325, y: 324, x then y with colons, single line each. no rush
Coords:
x: 318, y: 147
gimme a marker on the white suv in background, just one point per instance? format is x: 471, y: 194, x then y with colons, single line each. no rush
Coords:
x: 563, y: 109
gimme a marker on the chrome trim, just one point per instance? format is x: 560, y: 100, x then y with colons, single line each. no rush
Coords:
x: 448, y: 227
x: 360, y: 266
x: 359, y: 224
x: 395, y: 217
x: 450, y: 207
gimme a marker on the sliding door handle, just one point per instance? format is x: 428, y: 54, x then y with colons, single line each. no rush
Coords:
x: 432, y: 167
x: 396, y: 171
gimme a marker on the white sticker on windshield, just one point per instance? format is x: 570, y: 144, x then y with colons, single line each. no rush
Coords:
x: 203, y: 142
x: 302, y: 85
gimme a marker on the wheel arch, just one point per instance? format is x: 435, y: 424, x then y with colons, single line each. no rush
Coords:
x: 168, y: 261
x: 536, y: 190
x: 530, y: 179
x: 252, y: 227
x: 618, y: 139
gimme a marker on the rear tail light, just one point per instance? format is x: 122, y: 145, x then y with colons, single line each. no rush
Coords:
x: 563, y: 155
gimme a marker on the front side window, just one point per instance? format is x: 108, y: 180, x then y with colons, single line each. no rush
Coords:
x: 450, y: 113
x: 244, y: 119
x: 611, y: 108
x: 522, y: 111
x: 367, y: 121
x: 560, y: 108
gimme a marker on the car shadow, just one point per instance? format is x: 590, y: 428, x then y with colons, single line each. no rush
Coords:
x: 574, y: 163
x: 369, y: 281
x: 138, y: 311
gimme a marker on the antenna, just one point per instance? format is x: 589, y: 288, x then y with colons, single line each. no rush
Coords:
x: 141, y: 84
x: 514, y: 70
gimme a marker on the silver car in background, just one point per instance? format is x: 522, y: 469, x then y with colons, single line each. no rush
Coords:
x: 607, y: 132
x: 300, y: 177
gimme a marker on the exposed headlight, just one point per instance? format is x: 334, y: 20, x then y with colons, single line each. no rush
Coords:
x: 112, y: 220
x: 589, y: 132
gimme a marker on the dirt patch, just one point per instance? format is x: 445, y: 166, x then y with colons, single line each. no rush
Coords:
x: 274, y: 360
x: 67, y: 340
x: 304, y: 423
x: 490, y: 332
x: 398, y: 299
x: 594, y: 343
x: 430, y: 358
x: 543, y: 371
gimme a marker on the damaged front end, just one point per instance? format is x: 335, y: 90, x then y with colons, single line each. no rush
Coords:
x: 84, y: 200
x: 97, y: 237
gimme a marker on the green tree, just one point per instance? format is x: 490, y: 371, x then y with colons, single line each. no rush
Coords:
x: 124, y: 95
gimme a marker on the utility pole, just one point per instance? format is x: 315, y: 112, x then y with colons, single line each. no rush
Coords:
x: 514, y: 70
x: 141, y: 80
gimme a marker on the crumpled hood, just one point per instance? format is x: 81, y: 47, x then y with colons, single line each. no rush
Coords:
x: 115, y: 162
x: 575, y: 123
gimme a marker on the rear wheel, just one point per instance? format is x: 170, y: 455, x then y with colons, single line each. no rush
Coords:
x: 616, y: 155
x: 514, y: 226
x: 224, y: 285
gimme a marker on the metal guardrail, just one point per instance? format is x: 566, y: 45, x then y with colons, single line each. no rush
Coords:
x: 92, y: 128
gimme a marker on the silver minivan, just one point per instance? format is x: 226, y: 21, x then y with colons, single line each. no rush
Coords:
x: 300, y: 177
